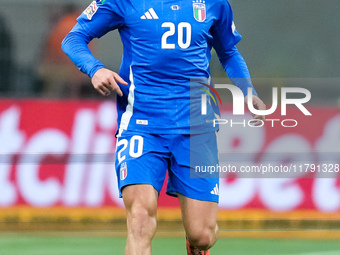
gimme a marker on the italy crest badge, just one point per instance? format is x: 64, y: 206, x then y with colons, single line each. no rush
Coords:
x: 123, y: 171
x: 199, y: 10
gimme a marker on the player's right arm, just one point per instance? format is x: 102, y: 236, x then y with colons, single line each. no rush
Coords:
x: 97, y: 20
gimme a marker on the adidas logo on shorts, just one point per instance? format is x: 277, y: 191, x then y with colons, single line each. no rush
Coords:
x: 215, y: 191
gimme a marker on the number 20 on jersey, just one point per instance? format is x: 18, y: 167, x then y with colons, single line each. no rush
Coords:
x: 183, y: 27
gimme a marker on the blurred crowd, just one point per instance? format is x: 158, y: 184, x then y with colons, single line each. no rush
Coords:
x: 283, y: 39
x: 59, y: 76
x: 54, y: 75
x: 5, y: 56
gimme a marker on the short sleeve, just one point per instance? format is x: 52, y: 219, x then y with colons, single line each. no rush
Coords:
x: 102, y: 16
x: 225, y: 35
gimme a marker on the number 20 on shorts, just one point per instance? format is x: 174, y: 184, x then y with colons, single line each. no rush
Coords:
x: 135, y: 147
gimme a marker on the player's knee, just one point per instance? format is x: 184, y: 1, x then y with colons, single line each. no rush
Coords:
x: 142, y: 215
x: 142, y: 222
x: 141, y: 207
x: 202, y: 239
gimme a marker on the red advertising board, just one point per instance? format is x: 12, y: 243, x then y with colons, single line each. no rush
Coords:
x: 61, y: 154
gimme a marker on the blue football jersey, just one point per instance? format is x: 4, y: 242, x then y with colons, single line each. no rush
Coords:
x: 166, y: 44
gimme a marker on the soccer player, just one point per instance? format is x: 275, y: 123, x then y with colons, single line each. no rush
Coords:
x: 166, y: 45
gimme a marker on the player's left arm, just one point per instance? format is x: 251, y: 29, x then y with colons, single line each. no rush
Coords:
x: 225, y: 38
x: 237, y: 70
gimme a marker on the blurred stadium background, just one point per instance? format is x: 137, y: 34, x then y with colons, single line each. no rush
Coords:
x: 58, y: 190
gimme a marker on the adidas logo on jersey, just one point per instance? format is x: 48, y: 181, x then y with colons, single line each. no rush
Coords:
x: 150, y: 14
x: 215, y: 191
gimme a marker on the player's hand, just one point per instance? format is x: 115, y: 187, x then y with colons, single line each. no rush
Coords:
x: 259, y: 105
x: 105, y: 81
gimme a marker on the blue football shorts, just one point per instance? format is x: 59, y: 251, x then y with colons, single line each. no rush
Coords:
x: 143, y: 158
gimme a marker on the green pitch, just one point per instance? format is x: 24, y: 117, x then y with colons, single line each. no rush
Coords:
x: 34, y: 245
